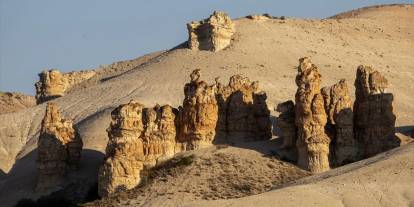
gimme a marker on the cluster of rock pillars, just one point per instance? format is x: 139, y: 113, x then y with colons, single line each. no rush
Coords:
x: 322, y: 127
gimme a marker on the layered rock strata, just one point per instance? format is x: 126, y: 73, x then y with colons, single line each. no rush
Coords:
x: 340, y: 126
x: 53, y: 84
x: 59, y: 149
x: 211, y: 34
x: 139, y: 138
x: 310, y: 119
x: 199, y: 114
x: 286, y: 123
x: 373, y: 109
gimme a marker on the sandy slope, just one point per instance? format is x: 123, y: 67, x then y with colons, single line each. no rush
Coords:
x: 266, y: 51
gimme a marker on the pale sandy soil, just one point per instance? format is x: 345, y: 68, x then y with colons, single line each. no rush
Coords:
x: 266, y: 51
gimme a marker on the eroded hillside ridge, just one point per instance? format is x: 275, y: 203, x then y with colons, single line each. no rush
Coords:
x: 310, y: 118
x: 331, y: 129
x: 59, y: 149
x: 212, y: 34
x: 53, y: 84
x: 12, y: 102
x: 140, y: 138
x: 374, y: 117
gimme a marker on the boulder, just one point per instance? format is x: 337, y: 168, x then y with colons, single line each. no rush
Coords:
x: 59, y: 149
x: 310, y: 119
x: 373, y: 112
x: 340, y: 126
x: 212, y: 34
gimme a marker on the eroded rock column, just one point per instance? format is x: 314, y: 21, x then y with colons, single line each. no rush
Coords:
x: 199, y: 114
x: 374, y: 117
x: 211, y: 34
x: 340, y: 126
x: 286, y: 123
x: 59, y: 149
x: 310, y: 119
x: 51, y: 85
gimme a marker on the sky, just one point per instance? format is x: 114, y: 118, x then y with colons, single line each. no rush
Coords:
x: 82, y: 34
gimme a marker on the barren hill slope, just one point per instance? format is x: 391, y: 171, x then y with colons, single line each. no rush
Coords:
x: 266, y: 51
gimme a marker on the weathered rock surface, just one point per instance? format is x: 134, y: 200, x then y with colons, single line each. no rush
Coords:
x: 211, y: 34
x: 243, y: 110
x: 138, y: 138
x: 310, y: 119
x: 199, y: 114
x: 286, y: 123
x: 259, y: 17
x: 53, y: 84
x: 59, y: 149
x: 12, y: 102
x: 340, y: 126
x: 124, y: 156
x: 374, y: 117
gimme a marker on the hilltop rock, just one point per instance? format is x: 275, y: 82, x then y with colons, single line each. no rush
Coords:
x: 310, y: 119
x: 286, y: 123
x: 211, y: 34
x: 12, y: 102
x: 340, y: 126
x: 59, y: 149
x: 53, y: 84
x: 259, y: 17
x: 199, y: 114
x: 374, y: 117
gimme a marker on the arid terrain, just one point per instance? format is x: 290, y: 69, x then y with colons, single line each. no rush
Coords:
x: 237, y: 174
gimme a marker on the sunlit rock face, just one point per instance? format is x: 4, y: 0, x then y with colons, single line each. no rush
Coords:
x: 373, y: 112
x: 310, y: 119
x: 59, y: 149
x: 340, y: 126
x: 213, y: 33
x: 53, y: 84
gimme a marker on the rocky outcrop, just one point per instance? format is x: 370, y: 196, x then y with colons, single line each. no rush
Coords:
x: 243, y: 110
x: 211, y: 34
x: 374, y: 117
x: 12, y: 102
x: 138, y: 138
x: 310, y: 119
x: 340, y: 126
x: 286, y: 123
x: 124, y: 156
x: 59, y: 149
x: 53, y: 84
x: 199, y: 114
x: 259, y: 17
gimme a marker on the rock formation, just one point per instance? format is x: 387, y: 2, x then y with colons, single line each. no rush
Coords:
x: 310, y: 119
x: 138, y: 138
x: 374, y: 117
x: 199, y: 113
x: 340, y: 127
x: 259, y: 17
x: 59, y: 149
x: 243, y: 110
x: 211, y: 34
x: 286, y: 123
x: 124, y: 156
x: 12, y: 102
x: 53, y: 84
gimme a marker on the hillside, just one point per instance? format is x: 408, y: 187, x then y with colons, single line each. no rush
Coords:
x: 263, y: 50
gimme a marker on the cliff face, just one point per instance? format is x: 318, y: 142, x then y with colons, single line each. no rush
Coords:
x: 59, y: 149
x: 374, y: 117
x: 340, y: 126
x: 310, y: 119
x: 211, y: 34
x: 53, y: 84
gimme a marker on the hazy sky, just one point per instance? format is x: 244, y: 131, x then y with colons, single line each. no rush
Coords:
x: 81, y: 34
